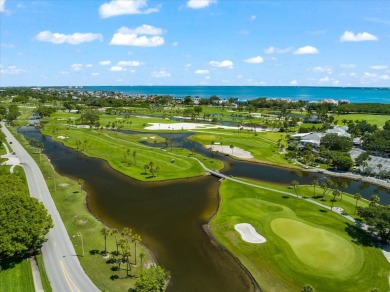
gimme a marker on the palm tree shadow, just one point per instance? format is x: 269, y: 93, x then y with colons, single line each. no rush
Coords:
x: 360, y: 236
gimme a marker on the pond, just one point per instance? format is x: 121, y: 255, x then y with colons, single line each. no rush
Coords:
x: 170, y: 216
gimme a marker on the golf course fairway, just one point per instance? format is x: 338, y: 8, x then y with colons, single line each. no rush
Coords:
x: 321, y: 250
x: 306, y: 244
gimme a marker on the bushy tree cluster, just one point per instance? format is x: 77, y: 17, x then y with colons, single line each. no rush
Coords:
x: 24, y: 224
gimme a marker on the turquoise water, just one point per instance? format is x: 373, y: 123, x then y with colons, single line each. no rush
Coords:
x: 353, y: 94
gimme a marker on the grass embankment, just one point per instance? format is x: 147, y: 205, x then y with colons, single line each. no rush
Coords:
x: 263, y: 147
x: 70, y: 202
x: 121, y: 148
x: 306, y: 244
x: 42, y: 271
x: 16, y: 276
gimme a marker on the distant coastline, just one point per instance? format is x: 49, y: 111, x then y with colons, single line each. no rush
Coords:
x: 352, y: 94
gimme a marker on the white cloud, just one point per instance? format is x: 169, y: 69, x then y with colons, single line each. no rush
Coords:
x: 294, y: 82
x: 379, y: 67
x: 104, y: 63
x: 306, y: 50
x: 384, y: 77
x: 198, y: 4
x: 323, y: 69
x: 2, y: 5
x: 89, y: 65
x: 202, y: 71
x: 222, y: 64
x: 161, y: 74
x: 118, y: 69
x: 11, y: 70
x: 144, y: 29
x: 129, y: 63
x: 273, y: 50
x: 73, y: 39
x: 125, y: 7
x: 175, y: 44
x: 95, y: 74
x: 370, y: 75
x: 76, y: 67
x: 347, y: 66
x: 325, y: 79
x: 137, y: 36
x: 253, y: 17
x: 349, y: 36
x: 255, y: 60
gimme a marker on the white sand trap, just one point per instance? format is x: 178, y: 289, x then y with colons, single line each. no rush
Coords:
x: 249, y: 233
x: 62, y: 137
x: 237, y: 152
x: 83, y: 126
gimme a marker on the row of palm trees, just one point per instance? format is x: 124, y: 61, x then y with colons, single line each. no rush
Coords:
x: 123, y: 241
x: 331, y: 187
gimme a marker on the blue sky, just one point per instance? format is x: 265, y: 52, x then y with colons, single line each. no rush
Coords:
x: 195, y: 42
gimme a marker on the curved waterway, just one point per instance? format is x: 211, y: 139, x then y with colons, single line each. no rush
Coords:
x: 170, y: 215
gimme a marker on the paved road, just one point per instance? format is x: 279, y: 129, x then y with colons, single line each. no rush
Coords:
x: 62, y: 265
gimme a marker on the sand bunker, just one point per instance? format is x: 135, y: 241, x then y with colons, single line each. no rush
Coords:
x: 249, y: 233
x: 237, y: 152
x: 62, y: 137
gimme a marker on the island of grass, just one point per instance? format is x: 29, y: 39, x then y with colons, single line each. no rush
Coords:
x: 126, y: 153
x: 306, y: 244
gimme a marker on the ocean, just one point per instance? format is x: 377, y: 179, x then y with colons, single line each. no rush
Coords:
x: 353, y: 94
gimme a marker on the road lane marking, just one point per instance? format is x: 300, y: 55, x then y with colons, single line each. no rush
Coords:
x: 68, y: 279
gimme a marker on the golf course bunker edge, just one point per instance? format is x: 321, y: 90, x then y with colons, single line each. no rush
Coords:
x: 248, y: 233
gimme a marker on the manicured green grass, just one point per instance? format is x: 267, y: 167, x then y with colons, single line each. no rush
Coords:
x: 16, y: 276
x: 98, y: 143
x: 42, y: 271
x: 379, y: 120
x: 319, y: 249
x: 70, y: 203
x: 280, y: 264
x: 263, y: 147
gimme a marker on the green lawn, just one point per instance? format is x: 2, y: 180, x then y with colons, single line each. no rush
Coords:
x: 17, y: 277
x: 263, y: 147
x: 303, y: 241
x: 42, y: 271
x: 379, y: 120
x: 98, y: 143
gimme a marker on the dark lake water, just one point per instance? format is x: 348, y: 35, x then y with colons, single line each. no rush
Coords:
x: 170, y: 215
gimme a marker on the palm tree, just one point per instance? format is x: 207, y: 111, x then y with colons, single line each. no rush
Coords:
x: 344, y: 185
x: 357, y: 197
x: 104, y: 231
x: 141, y: 256
x: 295, y: 184
x: 232, y: 147
x: 335, y: 194
x: 126, y: 233
x: 114, y: 232
x: 146, y: 167
x: 135, y: 156
x: 374, y: 200
x: 81, y: 183
x: 126, y: 254
x: 314, y: 183
x: 135, y: 238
